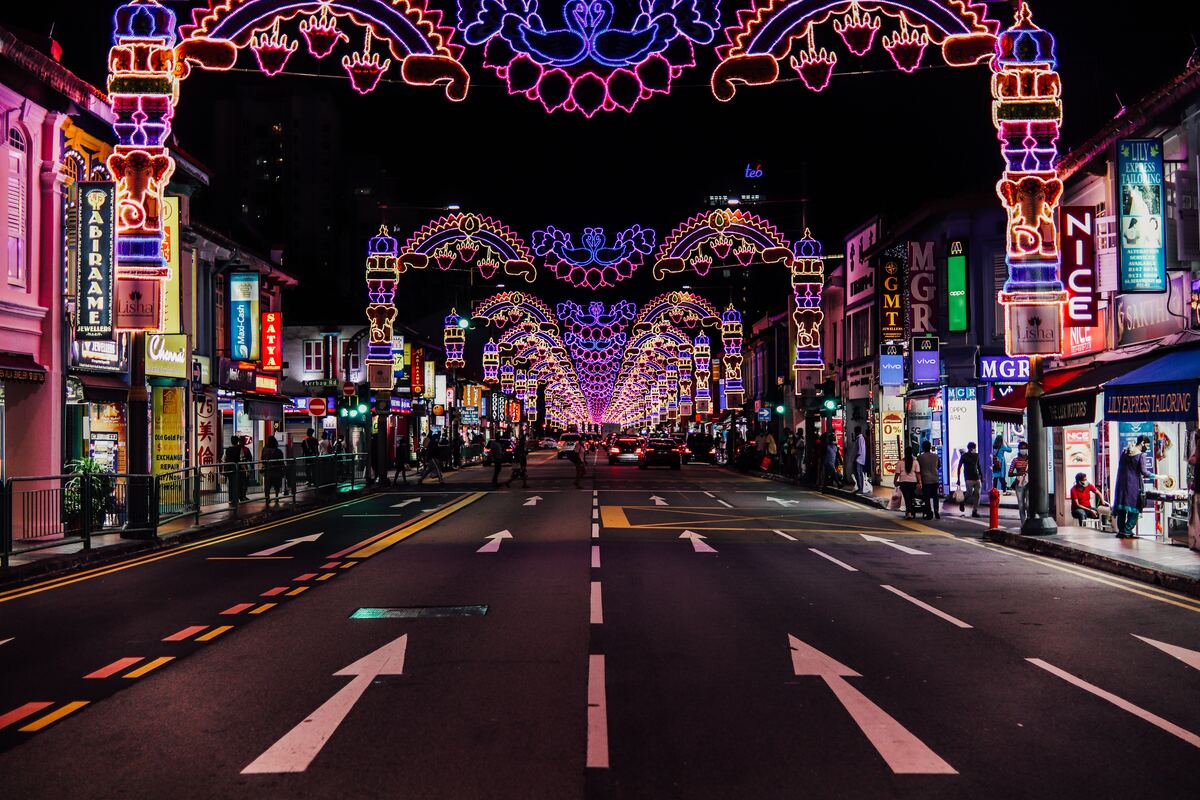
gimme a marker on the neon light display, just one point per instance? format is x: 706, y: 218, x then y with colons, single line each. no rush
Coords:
x: 382, y: 277
x: 594, y: 263
x: 510, y: 308
x: 322, y: 33
x: 808, y: 280
x: 454, y: 339
x: 471, y: 240
x: 491, y: 362
x: 596, y: 338
x: 719, y: 235
x: 703, y: 353
x: 596, y: 58
x: 731, y: 337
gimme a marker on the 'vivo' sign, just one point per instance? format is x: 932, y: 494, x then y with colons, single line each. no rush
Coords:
x: 1003, y: 369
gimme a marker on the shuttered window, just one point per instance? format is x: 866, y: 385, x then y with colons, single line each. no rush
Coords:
x: 18, y: 207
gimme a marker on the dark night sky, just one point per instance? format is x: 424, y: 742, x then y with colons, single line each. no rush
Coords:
x: 869, y: 141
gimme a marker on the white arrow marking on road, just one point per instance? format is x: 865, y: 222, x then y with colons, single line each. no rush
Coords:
x: 903, y: 752
x: 697, y: 542
x: 1189, y: 657
x: 299, y: 746
x: 658, y: 501
x: 408, y: 502
x: 494, y: 544
x: 6, y: 641
x: 911, y: 551
x: 533, y: 501
x: 787, y: 536
x: 784, y: 503
x: 270, y: 551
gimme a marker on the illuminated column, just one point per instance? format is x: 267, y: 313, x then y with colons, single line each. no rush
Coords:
x: 143, y: 90
x: 508, y: 377
x: 808, y: 279
x: 382, y: 277
x: 455, y: 339
x: 685, y: 384
x: 1027, y: 112
x: 672, y: 395
x: 731, y: 341
x: 703, y: 365
x: 491, y: 362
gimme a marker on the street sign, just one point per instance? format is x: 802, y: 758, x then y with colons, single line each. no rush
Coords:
x: 316, y: 406
x: 348, y: 389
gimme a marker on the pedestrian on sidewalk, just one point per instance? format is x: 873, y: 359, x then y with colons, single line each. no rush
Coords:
x: 232, y: 458
x: 931, y: 467
x: 247, y: 469
x: 272, y: 458
x: 1000, y: 449
x: 831, y: 459
x: 786, y: 443
x: 495, y: 454
x: 799, y: 454
x: 1019, y: 472
x: 401, y: 461
x: 1081, y: 499
x: 1130, y: 496
x: 969, y: 470
x: 429, y: 456
x: 908, y: 481
x: 309, y: 448
x: 860, y: 460
x: 520, y: 463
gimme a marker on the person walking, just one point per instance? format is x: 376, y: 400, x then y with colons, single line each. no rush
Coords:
x: 908, y: 481
x: 495, y: 454
x: 575, y: 456
x: 232, y: 458
x: 401, y: 461
x: 309, y: 449
x: 247, y: 475
x: 1000, y: 450
x: 860, y: 460
x: 831, y: 458
x: 429, y: 458
x: 1018, y: 470
x: 272, y: 458
x: 520, y: 463
x: 786, y: 443
x: 969, y: 470
x: 1129, y: 497
x: 931, y: 467
x: 799, y: 454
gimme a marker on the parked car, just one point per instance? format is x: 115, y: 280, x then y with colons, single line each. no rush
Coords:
x: 506, y: 452
x: 548, y: 443
x: 660, y: 453
x: 624, y: 449
x: 566, y: 441
x: 703, y: 447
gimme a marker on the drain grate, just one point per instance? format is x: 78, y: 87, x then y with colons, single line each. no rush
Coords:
x: 420, y: 612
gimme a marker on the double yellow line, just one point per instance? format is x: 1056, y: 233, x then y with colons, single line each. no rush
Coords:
x: 382, y: 541
x: 108, y: 569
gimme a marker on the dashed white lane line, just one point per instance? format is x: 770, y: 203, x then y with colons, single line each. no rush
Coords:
x: 595, y: 556
x: 597, y: 604
x: 722, y: 502
x: 595, y: 513
x: 710, y: 494
x: 787, y: 536
x: 828, y: 557
x: 597, y: 715
x: 595, y: 530
x: 936, y: 612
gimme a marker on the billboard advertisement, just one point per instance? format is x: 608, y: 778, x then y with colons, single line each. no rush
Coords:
x: 1078, y: 226
x: 891, y: 299
x: 1140, y: 205
x: 957, y: 306
x: 171, y: 294
x: 922, y: 284
x: 243, y: 316
x: 927, y: 359
x: 272, y: 341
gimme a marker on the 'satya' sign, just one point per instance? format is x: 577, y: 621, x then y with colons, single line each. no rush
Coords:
x: 95, y: 259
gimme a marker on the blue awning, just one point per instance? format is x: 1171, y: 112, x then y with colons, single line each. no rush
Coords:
x: 1164, y: 390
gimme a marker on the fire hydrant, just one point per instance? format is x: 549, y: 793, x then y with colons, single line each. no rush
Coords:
x: 994, y: 508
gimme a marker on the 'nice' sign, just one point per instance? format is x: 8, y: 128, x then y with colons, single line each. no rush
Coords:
x: 1078, y: 226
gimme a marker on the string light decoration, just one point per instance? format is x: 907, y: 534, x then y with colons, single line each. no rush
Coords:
x: 719, y: 234
x: 733, y: 391
x: 808, y: 281
x: 508, y: 377
x: 594, y: 263
x: 143, y: 87
x: 685, y: 383
x: 414, y: 37
x: 907, y: 46
x: 491, y: 362
x: 469, y: 239
x: 509, y: 308
x: 1027, y: 113
x: 596, y: 338
x: 382, y: 277
x: 598, y: 59
x: 857, y: 29
x: 454, y: 338
x: 702, y: 348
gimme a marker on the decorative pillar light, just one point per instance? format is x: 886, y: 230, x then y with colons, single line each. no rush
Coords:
x: 508, y: 377
x: 1027, y: 112
x: 672, y: 375
x: 454, y: 337
x: 703, y: 350
x: 808, y: 280
x: 382, y: 277
x: 491, y: 362
x: 731, y: 338
x: 685, y: 383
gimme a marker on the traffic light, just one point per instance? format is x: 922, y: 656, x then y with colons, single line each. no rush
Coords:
x: 781, y: 409
x: 353, y: 409
x: 830, y: 405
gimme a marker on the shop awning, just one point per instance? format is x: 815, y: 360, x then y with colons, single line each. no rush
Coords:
x: 103, y: 388
x: 1163, y: 390
x: 1074, y: 401
x: 1011, y: 408
x: 21, y: 367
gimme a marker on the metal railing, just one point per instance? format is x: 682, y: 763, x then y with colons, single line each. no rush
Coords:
x: 50, y: 511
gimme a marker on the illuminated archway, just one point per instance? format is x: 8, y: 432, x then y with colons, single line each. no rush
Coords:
x: 480, y: 242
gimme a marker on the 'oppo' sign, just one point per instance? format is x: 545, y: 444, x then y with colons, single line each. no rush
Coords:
x: 1003, y: 369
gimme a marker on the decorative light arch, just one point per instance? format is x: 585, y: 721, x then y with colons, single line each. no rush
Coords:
x: 477, y: 241
x: 721, y: 237
x: 509, y: 308
x: 596, y: 339
x: 596, y: 262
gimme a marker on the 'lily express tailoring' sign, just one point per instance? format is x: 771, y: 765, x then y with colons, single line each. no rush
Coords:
x: 1167, y: 402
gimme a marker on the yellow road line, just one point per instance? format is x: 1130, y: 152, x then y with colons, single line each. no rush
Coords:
x: 150, y: 665
x: 53, y: 716
x: 214, y: 633
x: 137, y: 561
x: 296, y: 591
x: 402, y: 532
x: 614, y: 517
x: 263, y: 608
x: 326, y: 576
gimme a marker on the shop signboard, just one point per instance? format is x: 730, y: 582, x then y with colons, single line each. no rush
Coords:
x: 171, y: 291
x: 401, y: 405
x: 440, y: 395
x: 138, y: 303
x: 1156, y: 402
x: 235, y: 376
x: 272, y: 341
x: 860, y: 277
x: 1002, y: 369
x: 1077, y: 449
x: 207, y: 423
x: 1140, y: 176
x: 266, y: 384
x: 927, y: 359
x: 962, y: 426
x: 1078, y: 226
x: 96, y: 260
x: 891, y: 299
x: 1144, y: 318
x: 1127, y: 435
x: 101, y: 355
x: 1033, y: 329
x: 1084, y: 341
x: 1076, y: 408
x: 399, y: 349
x: 243, y: 316
x: 201, y: 372
x: 957, y: 300
x: 891, y: 365
x: 167, y: 425
x: 890, y: 435
x: 167, y: 356
x: 417, y: 367
x: 430, y: 387
x: 469, y: 415
x: 922, y: 282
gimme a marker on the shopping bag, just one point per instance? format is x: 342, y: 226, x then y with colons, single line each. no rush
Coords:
x: 896, y: 500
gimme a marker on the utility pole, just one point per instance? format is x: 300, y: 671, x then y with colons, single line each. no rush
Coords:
x: 1038, y: 519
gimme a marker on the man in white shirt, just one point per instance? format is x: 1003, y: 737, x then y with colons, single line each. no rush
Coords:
x: 860, y: 459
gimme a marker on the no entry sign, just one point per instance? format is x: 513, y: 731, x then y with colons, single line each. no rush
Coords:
x: 316, y: 406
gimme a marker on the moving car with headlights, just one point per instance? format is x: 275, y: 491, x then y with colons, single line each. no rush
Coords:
x: 624, y: 449
x: 566, y: 442
x: 507, y: 455
x: 660, y: 452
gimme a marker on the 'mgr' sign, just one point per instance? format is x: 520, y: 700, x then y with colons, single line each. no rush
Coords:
x: 1003, y: 369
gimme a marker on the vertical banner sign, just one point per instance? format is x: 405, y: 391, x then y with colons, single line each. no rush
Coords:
x: 243, y: 316
x: 927, y: 359
x: 417, y: 368
x: 430, y: 372
x: 168, y: 428
x: 891, y: 365
x: 272, y: 341
x: 1078, y: 227
x: 97, y: 256
x: 206, y: 438
x: 891, y: 299
x: 957, y: 304
x: 1143, y: 256
x: 922, y: 278
x: 171, y: 293
x: 398, y: 358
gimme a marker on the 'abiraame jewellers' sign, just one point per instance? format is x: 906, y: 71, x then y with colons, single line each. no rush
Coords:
x: 96, y: 257
x: 1165, y: 402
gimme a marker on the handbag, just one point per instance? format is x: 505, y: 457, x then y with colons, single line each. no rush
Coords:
x: 895, y: 500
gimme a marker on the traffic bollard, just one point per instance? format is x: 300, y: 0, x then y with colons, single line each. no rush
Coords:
x: 994, y: 509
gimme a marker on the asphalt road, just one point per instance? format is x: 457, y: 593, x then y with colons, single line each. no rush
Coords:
x: 664, y: 634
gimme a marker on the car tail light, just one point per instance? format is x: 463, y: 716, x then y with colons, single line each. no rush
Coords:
x: 712, y: 452
x: 687, y: 451
x: 616, y: 451
x: 641, y: 451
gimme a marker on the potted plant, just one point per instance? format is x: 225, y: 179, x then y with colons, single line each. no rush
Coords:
x: 100, y: 485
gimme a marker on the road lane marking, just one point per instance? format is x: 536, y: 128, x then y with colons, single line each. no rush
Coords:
x: 595, y: 556
x: 787, y: 536
x: 326, y: 576
x: 698, y: 544
x: 596, y: 616
x: 1189, y: 657
x: 904, y: 753
x: 214, y: 633
x: 6, y: 641
x: 595, y: 531
x: 597, y: 715
x: 21, y: 712
x: 348, y: 565
x: 299, y: 746
x: 308, y: 576
x: 1120, y: 702
x: 279, y: 548
x: 330, y: 565
x: 658, y: 501
x: 710, y: 494
x: 248, y: 558
x: 409, y: 501
x: 53, y: 716
x: 274, y: 591
x: 297, y: 591
x: 265, y: 607
x: 494, y: 541
x: 828, y: 557
x: 912, y: 551
x: 186, y: 633
x: 926, y: 606
x: 722, y: 502
x: 137, y: 561
x: 614, y: 517
x: 533, y: 501
x: 237, y: 609
x: 377, y: 544
x: 113, y: 668
x: 148, y: 666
